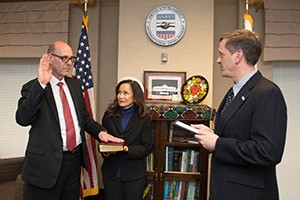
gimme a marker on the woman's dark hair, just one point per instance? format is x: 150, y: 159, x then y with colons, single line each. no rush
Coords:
x: 138, y: 99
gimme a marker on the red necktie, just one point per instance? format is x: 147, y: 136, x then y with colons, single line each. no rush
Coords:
x: 70, y: 129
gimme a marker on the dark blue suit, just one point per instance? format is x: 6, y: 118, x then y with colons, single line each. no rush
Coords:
x: 252, y: 137
x: 44, y: 152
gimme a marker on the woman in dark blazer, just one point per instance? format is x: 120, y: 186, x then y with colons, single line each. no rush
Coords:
x: 124, y: 173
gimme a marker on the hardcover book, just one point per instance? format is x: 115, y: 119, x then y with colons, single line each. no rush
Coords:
x: 186, y: 127
x: 110, y: 147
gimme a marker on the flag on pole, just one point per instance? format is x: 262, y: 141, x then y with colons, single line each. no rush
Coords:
x: 248, y: 22
x: 83, y: 72
x: 248, y: 25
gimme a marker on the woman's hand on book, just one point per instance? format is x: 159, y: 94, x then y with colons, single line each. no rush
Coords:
x: 105, y: 137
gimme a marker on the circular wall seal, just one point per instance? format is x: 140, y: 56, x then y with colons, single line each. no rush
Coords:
x: 165, y: 25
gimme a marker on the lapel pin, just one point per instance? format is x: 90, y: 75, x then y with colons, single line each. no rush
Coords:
x: 243, y: 98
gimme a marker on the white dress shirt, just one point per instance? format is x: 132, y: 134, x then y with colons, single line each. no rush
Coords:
x: 58, y: 102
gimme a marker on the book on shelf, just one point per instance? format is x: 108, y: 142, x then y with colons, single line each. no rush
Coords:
x: 180, y: 160
x: 178, y: 134
x: 181, y: 190
x: 150, y: 162
x: 176, y: 160
x: 167, y: 187
x: 191, y: 190
x: 192, y: 161
x: 186, y: 127
x: 170, y: 132
x: 111, y: 146
x: 177, y: 190
x: 190, y: 140
x: 184, y: 159
x: 169, y: 161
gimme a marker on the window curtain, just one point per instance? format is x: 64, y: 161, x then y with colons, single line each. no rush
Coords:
x: 282, y: 30
x: 28, y: 28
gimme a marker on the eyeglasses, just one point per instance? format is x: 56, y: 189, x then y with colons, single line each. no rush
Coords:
x: 66, y: 59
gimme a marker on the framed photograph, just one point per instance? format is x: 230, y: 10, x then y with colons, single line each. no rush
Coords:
x: 163, y: 86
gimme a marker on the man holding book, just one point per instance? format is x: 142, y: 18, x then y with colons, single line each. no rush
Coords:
x: 250, y: 128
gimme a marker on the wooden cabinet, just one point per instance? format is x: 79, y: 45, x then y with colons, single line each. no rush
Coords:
x: 178, y: 166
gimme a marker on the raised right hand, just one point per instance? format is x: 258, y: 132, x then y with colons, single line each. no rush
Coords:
x: 45, y: 70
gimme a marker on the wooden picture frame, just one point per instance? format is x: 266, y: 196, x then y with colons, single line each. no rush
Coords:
x: 163, y: 86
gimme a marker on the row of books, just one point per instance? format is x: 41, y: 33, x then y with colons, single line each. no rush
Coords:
x: 182, y: 160
x: 177, y: 134
x: 181, y: 190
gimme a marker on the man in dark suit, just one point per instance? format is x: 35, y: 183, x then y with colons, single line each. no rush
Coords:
x: 51, y: 167
x: 250, y: 129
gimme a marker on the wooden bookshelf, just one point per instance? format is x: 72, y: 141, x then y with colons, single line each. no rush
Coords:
x: 165, y: 181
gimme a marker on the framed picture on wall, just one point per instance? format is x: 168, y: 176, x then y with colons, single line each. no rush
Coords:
x: 163, y: 86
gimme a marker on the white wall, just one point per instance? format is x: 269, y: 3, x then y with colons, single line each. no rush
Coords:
x: 13, y: 74
x: 192, y: 54
x: 286, y: 75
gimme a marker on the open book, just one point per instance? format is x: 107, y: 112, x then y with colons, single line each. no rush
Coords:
x: 110, y: 146
x: 187, y: 127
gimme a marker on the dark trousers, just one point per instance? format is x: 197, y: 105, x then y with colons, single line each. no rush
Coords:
x: 67, y: 186
x: 123, y: 190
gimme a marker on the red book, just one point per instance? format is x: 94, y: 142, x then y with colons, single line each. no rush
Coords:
x: 111, y: 146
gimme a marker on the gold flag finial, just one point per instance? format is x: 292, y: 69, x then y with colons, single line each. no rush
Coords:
x: 83, y: 4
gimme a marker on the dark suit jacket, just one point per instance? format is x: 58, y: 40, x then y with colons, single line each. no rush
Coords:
x: 138, y: 137
x: 44, y: 152
x: 252, y: 137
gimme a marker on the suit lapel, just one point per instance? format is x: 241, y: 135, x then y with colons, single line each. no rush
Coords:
x: 118, y: 124
x: 232, y: 108
x: 237, y: 102
x: 51, y: 101
x: 132, y: 122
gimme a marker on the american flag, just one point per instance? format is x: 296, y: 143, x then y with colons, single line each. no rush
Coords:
x: 83, y: 73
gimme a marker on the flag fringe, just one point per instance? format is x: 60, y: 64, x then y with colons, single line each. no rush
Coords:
x: 90, y: 191
x: 248, y: 22
x: 85, y: 20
